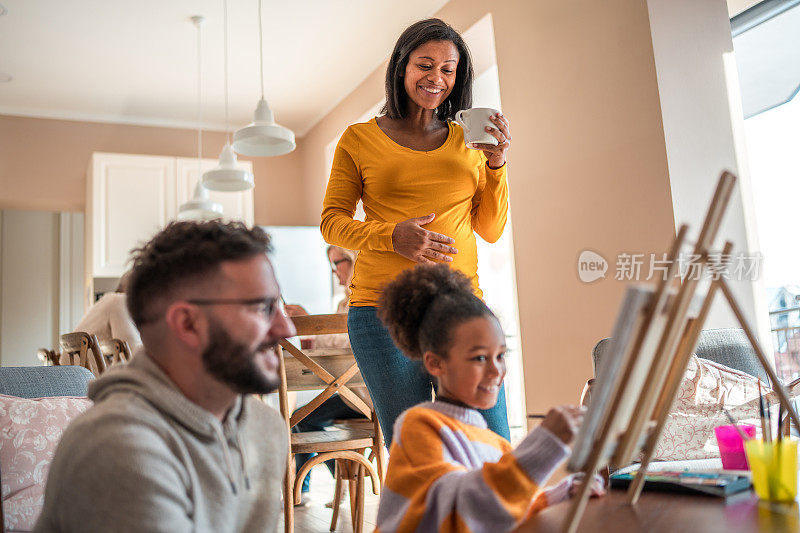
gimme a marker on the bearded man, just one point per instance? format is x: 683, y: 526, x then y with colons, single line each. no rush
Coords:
x: 176, y: 440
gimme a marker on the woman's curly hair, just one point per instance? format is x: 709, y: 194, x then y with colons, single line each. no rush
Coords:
x: 423, y: 305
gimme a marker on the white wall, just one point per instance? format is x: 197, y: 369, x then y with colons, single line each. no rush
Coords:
x: 693, y: 48
x: 28, y: 286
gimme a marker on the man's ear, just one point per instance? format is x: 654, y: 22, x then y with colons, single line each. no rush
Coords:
x: 434, y: 364
x: 186, y: 323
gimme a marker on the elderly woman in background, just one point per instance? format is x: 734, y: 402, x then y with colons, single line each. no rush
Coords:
x: 108, y: 318
x: 342, y: 261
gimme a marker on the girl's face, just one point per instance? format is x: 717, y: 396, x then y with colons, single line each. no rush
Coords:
x: 473, y: 371
x: 430, y: 74
x: 341, y: 265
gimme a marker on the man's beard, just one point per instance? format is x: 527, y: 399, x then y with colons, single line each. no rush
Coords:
x: 235, y: 364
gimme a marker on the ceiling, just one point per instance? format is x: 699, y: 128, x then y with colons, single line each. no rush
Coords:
x: 136, y: 62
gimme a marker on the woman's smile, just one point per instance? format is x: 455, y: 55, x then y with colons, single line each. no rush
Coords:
x: 431, y: 73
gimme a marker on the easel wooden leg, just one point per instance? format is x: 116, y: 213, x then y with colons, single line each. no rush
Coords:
x: 679, y: 368
x: 580, y: 500
x: 680, y: 361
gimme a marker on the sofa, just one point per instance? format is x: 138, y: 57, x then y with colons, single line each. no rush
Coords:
x: 36, y: 405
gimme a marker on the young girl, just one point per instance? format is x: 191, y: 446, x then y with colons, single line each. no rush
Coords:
x: 447, y: 471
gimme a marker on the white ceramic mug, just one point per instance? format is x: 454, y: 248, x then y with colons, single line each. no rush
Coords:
x: 474, y: 121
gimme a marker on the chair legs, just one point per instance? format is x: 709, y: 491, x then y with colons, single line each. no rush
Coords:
x: 288, y: 496
x: 337, y: 498
x: 380, y: 450
x: 348, y: 469
x: 353, y: 485
x: 353, y: 473
x: 360, y: 481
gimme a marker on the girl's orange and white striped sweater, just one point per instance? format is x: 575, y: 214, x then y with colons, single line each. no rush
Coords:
x: 449, y: 473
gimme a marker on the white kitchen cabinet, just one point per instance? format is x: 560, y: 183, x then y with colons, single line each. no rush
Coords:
x: 130, y: 197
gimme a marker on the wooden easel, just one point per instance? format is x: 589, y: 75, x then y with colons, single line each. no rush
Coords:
x: 675, y: 346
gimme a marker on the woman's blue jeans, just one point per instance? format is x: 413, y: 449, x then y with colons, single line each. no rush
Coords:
x: 394, y: 381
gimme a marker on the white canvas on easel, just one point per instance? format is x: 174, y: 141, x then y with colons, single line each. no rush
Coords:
x: 610, y: 373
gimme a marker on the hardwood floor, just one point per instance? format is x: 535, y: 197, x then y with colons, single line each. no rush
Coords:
x: 315, y: 517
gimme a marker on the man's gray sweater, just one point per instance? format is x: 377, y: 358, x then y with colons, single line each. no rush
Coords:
x: 145, y: 458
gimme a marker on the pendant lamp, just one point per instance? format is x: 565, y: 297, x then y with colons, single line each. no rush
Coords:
x: 263, y: 137
x: 226, y: 177
x: 199, y: 207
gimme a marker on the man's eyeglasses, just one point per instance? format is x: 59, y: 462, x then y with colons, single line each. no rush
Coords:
x: 263, y: 306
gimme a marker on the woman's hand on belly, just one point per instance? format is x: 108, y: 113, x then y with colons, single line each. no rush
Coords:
x: 414, y: 242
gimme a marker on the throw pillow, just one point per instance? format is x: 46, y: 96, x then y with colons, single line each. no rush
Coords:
x: 29, y: 433
x: 706, y: 388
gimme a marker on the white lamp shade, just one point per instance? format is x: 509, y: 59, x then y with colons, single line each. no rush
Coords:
x: 199, y: 207
x: 263, y: 137
x: 226, y: 177
x: 199, y: 210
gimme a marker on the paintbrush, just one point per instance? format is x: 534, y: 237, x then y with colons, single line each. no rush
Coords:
x: 735, y: 425
x: 769, y: 418
x: 765, y: 436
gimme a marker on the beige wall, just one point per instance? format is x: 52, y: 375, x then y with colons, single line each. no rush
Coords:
x: 587, y: 168
x: 43, y: 164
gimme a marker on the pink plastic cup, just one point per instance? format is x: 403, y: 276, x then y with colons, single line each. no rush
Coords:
x: 731, y: 447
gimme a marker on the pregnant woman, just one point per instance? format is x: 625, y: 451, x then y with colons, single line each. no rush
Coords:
x: 424, y: 193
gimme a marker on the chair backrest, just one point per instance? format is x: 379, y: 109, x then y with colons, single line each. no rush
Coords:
x: 116, y: 351
x: 82, y: 349
x: 728, y: 346
x: 44, y: 381
x: 333, y: 370
x: 48, y: 357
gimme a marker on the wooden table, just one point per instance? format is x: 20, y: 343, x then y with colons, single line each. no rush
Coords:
x: 661, y: 512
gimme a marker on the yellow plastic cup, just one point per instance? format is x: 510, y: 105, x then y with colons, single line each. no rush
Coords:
x: 774, y: 468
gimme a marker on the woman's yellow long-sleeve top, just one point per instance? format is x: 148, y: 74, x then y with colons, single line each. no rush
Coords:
x: 396, y: 183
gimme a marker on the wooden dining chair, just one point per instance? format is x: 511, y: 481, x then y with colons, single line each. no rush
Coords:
x: 48, y: 357
x: 115, y: 351
x: 82, y: 349
x: 334, y: 371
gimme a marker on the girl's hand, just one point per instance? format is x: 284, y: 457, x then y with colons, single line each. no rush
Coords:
x: 563, y: 422
x: 496, y: 155
x: 412, y: 241
x: 596, y: 490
